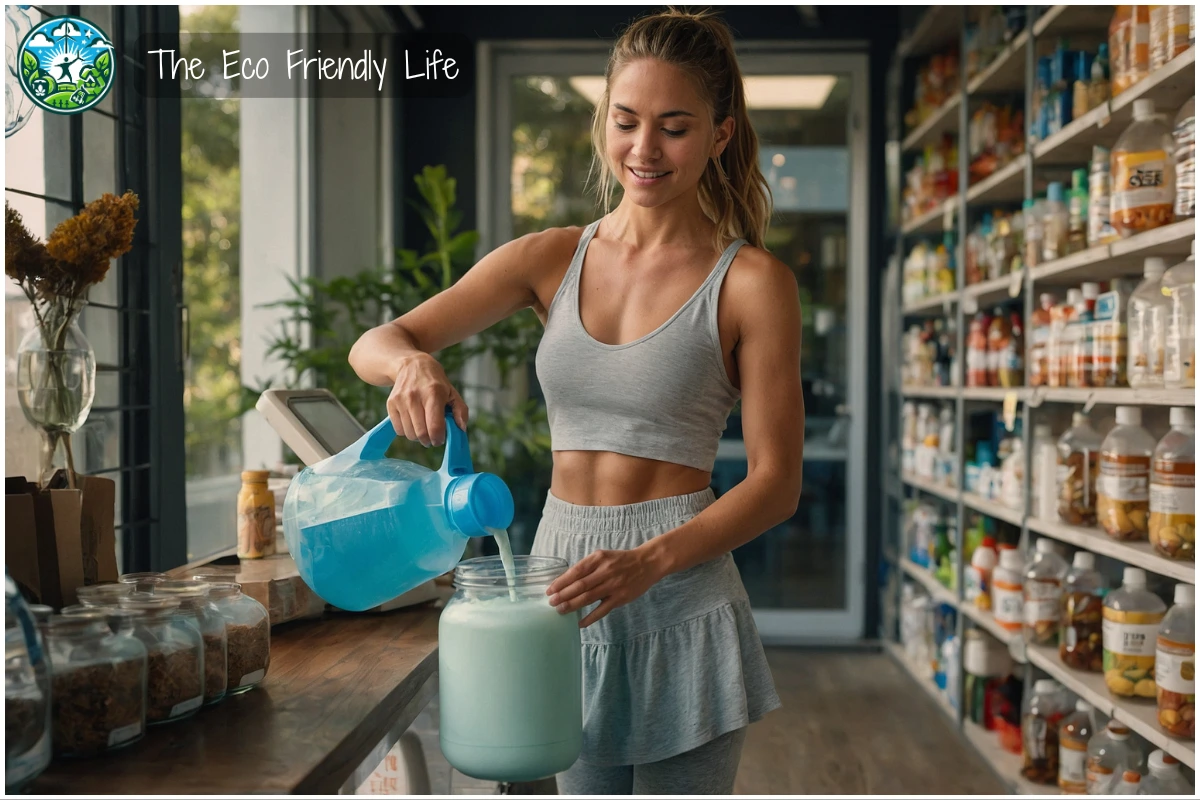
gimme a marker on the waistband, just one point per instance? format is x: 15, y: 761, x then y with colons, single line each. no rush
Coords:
x: 665, y: 510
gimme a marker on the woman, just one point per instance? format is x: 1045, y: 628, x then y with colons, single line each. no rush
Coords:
x: 647, y: 347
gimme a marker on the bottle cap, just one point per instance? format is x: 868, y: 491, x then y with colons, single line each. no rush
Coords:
x: 1090, y: 290
x: 1134, y: 577
x: 1028, y: 204
x: 1131, y: 777
x: 1084, y: 706
x: 1011, y: 560
x: 1143, y: 109
x: 1054, y: 192
x: 988, y: 541
x: 478, y: 502
x: 1154, y: 267
x: 1045, y: 686
x: 1129, y: 415
x: 1161, y: 762
x: 1078, y: 418
x: 1182, y: 416
x: 1085, y: 560
x: 1185, y: 594
x: 1046, y: 299
x: 1044, y: 546
x: 255, y: 476
x: 1073, y: 296
x: 1117, y: 730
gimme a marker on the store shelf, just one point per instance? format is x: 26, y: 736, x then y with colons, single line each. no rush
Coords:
x: 985, y: 620
x: 1137, y: 554
x: 1006, y: 765
x: 930, y: 392
x: 930, y: 222
x: 929, y: 487
x: 989, y: 293
x: 1169, y: 240
x: 1005, y: 185
x: 1073, y: 269
x: 992, y: 508
x: 932, y: 585
x: 1139, y: 714
x: 1059, y: 20
x: 1124, y: 258
x: 1073, y: 144
x: 943, y: 120
x: 931, y: 689
x: 991, y: 394
x: 937, y: 305
x: 939, y: 28
x: 1006, y: 73
x: 1110, y: 397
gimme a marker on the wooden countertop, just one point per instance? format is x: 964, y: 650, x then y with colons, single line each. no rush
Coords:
x: 335, y: 687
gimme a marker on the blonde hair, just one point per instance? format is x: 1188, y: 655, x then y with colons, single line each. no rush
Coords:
x: 733, y: 192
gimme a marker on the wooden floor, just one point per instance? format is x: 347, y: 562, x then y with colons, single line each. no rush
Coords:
x: 852, y: 723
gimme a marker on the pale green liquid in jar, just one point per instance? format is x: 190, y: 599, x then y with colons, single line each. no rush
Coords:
x: 511, y: 688
x: 506, y: 558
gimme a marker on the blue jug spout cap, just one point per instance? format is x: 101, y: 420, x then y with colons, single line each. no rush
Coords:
x: 457, y: 458
x: 477, y: 502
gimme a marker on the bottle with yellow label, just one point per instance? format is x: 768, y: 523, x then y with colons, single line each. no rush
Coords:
x: 1143, y: 174
x: 1131, y: 618
x: 1175, y: 665
x: 255, y: 516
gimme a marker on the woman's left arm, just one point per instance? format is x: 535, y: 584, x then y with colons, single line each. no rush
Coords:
x: 764, y: 294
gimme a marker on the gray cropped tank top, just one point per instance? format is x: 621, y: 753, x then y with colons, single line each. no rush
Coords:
x: 665, y: 396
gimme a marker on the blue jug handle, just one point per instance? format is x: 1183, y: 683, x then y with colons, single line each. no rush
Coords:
x: 457, y: 460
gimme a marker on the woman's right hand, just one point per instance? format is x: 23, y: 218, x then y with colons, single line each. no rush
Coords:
x: 417, y: 404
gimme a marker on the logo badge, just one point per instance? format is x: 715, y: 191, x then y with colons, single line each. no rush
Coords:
x: 67, y: 65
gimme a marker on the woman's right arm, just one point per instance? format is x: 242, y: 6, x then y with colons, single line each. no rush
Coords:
x: 399, y: 353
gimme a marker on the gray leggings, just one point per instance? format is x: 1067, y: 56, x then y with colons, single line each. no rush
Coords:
x: 709, y: 769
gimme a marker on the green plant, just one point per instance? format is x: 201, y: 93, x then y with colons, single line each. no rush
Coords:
x: 325, y: 318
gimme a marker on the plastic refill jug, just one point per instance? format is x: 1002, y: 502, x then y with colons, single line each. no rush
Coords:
x: 364, y: 529
x: 510, y: 673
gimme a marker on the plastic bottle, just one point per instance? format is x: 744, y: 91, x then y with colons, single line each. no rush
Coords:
x: 1131, y: 619
x: 1007, y: 593
x: 1179, y: 345
x: 1100, y: 230
x: 1174, y: 665
x: 979, y: 574
x: 1098, y: 86
x: 1039, y: 339
x: 1168, y: 33
x: 1073, y: 734
x: 1080, y: 97
x: 1043, y: 473
x: 1058, y: 348
x: 1143, y: 174
x: 1129, y: 45
x: 952, y: 668
x: 977, y: 350
x: 1044, y: 712
x: 1010, y: 354
x: 1042, y: 594
x: 1078, y: 472
x: 998, y: 341
x: 1077, y: 342
x: 1185, y: 160
x: 1131, y: 783
x: 1080, y: 641
x: 1077, y: 211
x: 1110, y: 753
x: 1054, y: 220
x: 1035, y: 229
x: 1166, y: 776
x: 1147, y: 328
x: 984, y: 665
x: 1012, y: 478
x: 1173, y: 489
x: 1123, y: 497
x: 1110, y: 333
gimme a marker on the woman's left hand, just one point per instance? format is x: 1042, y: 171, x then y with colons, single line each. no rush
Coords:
x: 612, y: 577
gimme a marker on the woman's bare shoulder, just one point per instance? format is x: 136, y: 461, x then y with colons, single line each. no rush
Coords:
x: 755, y: 271
x: 544, y: 249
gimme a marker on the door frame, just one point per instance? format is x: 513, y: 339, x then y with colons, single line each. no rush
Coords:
x: 499, y: 61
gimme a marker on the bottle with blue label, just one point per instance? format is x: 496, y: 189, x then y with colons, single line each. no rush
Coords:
x: 364, y: 529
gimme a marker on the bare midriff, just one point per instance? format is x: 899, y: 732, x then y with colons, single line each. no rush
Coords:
x: 603, y: 478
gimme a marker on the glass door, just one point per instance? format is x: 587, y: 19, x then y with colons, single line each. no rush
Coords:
x: 806, y: 577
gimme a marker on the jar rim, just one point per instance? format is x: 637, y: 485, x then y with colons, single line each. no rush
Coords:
x: 222, y: 588
x: 182, y: 588
x: 488, y: 571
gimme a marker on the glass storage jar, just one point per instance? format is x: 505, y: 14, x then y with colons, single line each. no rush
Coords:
x: 1173, y: 489
x: 99, y: 685
x: 1078, y: 472
x: 510, y: 673
x: 247, y: 634
x: 103, y: 594
x: 142, y: 581
x: 175, y: 672
x: 1123, y: 498
x: 1131, y: 618
x: 26, y: 694
x: 195, y: 605
x: 120, y: 620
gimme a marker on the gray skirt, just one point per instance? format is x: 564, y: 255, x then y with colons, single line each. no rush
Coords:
x: 679, y: 666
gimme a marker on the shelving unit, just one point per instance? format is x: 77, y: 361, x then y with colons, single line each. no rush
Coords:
x: 1011, y: 73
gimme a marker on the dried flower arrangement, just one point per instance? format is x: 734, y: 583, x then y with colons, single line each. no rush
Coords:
x: 56, y: 276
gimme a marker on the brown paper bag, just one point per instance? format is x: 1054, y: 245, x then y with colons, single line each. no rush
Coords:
x: 97, y: 531
x: 57, y: 560
x: 20, y: 537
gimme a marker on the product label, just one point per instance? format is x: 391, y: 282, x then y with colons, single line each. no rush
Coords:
x: 1100, y: 779
x: 186, y: 706
x: 1175, y: 667
x: 976, y: 583
x: 1007, y: 603
x: 1042, y: 601
x: 251, y: 678
x: 1072, y: 766
x: 1141, y: 180
x: 1126, y: 639
x: 122, y: 735
x: 1125, y: 477
x: 1173, y: 487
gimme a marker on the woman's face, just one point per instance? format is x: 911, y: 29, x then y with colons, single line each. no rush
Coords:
x: 660, y: 135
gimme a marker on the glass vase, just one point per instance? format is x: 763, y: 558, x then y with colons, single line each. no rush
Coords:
x: 56, y: 384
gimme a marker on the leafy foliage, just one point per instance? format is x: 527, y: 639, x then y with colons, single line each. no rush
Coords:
x: 29, y: 65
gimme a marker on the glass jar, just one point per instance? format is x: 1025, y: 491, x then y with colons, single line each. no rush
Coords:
x: 1179, y: 339
x: 1042, y: 594
x: 1174, y: 665
x: 1078, y: 472
x: 1073, y: 735
x: 1110, y: 753
x: 1081, y: 638
x: 143, y: 581
x: 1173, y: 489
x: 100, y: 595
x: 1123, y: 496
x: 1043, y: 712
x: 1131, y: 618
x: 26, y: 694
x: 199, y: 610
x: 533, y: 728
x: 99, y: 687
x: 175, y: 672
x: 255, y: 516
x: 120, y: 620
x: 247, y: 634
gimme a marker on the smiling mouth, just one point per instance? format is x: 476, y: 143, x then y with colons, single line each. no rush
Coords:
x: 647, y: 174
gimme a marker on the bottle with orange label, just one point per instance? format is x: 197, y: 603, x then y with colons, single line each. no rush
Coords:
x: 1007, y: 590
x: 1131, y: 618
x: 1073, y: 735
x: 1129, y: 46
x: 1173, y: 489
x: 1143, y: 174
x: 1175, y: 665
x: 1111, y: 752
x: 1123, y: 496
